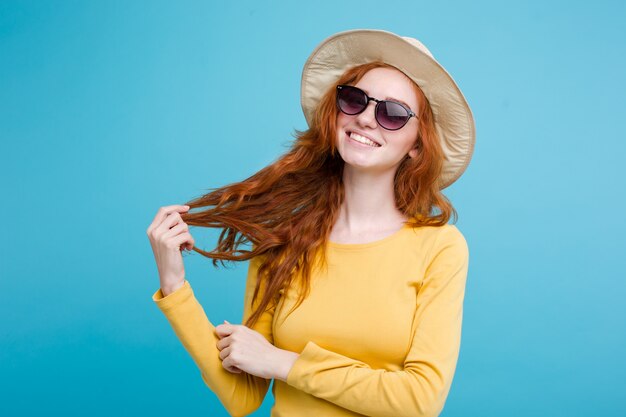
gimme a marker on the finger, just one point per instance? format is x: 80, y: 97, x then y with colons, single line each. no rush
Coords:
x: 232, y: 369
x: 162, y: 213
x: 176, y: 230
x: 225, y: 352
x: 168, y: 223
x: 223, y: 343
x: 189, y: 244
x: 180, y: 240
x: 229, y: 365
x: 224, y: 329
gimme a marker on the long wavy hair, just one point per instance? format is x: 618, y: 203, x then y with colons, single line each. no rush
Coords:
x: 286, y: 210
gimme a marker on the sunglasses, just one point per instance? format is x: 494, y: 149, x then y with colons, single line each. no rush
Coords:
x: 390, y: 115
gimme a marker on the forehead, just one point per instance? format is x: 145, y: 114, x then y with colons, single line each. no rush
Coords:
x: 389, y: 84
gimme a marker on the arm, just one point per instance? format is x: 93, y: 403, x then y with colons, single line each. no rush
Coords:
x: 242, y: 393
x: 421, y: 388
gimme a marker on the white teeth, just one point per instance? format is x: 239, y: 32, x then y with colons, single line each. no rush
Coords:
x: 363, y: 139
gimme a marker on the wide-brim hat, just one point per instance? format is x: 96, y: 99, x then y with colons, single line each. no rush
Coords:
x: 453, y: 117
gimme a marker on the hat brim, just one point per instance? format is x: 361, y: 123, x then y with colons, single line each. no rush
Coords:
x: 453, y: 116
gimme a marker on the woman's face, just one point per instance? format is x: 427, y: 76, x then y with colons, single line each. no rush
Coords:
x: 392, y: 146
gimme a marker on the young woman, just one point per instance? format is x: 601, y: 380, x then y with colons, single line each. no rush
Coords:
x: 355, y: 288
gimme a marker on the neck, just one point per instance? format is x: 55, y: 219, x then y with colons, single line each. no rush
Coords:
x: 369, y: 203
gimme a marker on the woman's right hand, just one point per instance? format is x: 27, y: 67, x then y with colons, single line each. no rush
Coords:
x: 169, y: 235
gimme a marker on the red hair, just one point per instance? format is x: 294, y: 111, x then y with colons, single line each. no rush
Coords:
x: 287, y: 209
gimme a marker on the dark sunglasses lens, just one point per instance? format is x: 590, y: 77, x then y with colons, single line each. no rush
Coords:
x: 391, y: 115
x: 351, y: 100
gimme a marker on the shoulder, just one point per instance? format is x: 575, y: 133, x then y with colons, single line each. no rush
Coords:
x: 445, y: 233
x: 450, y: 247
x: 435, y: 239
x: 450, y: 233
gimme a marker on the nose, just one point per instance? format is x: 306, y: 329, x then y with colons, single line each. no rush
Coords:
x: 367, y: 118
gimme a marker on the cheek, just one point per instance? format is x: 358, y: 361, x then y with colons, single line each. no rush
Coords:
x: 409, y: 139
x: 339, y: 127
x: 341, y: 120
x: 399, y: 140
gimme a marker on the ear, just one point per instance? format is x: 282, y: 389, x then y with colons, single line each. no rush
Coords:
x: 413, y: 153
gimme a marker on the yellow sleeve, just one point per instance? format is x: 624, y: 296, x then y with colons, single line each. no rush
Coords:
x: 241, y: 394
x: 421, y: 388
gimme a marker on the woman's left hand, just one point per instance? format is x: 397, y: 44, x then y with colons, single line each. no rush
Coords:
x: 243, y: 349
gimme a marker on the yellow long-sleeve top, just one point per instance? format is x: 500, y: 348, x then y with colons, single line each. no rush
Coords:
x: 378, y: 335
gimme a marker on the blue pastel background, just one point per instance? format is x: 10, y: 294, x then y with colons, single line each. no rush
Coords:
x: 111, y: 109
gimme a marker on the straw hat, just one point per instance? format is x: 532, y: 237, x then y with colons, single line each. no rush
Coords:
x: 453, y: 117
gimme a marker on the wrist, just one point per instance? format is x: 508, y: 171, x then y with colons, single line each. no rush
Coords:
x: 286, y: 363
x: 167, y: 289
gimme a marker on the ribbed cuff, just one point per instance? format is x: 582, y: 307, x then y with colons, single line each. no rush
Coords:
x: 303, y: 365
x: 178, y: 297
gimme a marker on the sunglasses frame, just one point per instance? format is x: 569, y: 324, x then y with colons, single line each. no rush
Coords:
x: 408, y: 110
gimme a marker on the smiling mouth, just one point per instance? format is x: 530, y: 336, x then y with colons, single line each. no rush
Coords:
x: 362, y: 139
